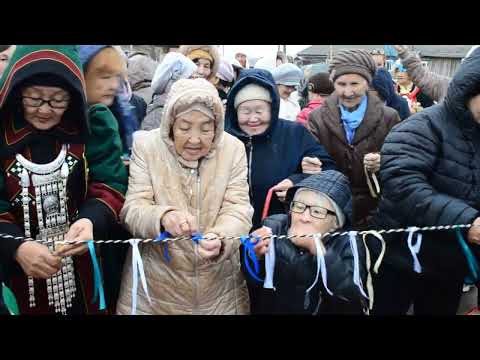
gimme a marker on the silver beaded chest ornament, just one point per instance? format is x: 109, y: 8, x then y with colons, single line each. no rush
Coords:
x: 50, y: 190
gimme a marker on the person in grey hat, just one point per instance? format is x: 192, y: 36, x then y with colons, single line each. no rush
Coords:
x: 318, y: 204
x: 352, y: 125
x: 140, y: 69
x: 288, y: 77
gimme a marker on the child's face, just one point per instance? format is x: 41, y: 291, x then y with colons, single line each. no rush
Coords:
x: 103, y: 77
x: 102, y: 88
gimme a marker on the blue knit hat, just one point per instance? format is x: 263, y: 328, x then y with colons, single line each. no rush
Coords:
x: 88, y: 52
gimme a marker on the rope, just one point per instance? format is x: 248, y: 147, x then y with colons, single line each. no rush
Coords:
x: 145, y: 241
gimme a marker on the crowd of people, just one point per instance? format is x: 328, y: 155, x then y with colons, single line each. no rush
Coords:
x: 270, y: 183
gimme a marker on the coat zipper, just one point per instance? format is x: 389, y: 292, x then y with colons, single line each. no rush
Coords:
x: 197, y: 172
x: 250, y: 156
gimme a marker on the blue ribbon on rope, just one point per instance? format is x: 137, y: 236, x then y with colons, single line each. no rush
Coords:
x: 97, y: 278
x: 161, y: 238
x: 471, y: 260
x: 249, y: 252
x: 196, y: 237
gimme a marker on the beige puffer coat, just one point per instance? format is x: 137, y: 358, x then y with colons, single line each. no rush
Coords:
x: 214, y: 189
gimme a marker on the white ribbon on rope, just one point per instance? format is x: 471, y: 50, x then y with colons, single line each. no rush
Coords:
x: 321, y: 268
x: 415, y: 249
x: 368, y: 263
x: 137, y: 268
x: 352, y: 236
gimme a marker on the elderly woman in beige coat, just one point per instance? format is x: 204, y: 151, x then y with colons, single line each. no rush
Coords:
x: 188, y: 176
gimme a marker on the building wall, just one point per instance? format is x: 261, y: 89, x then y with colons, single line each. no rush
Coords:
x: 442, y: 66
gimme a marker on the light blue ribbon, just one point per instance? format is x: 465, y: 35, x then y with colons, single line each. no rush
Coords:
x: 97, y: 278
x: 471, y: 260
x: 357, y: 280
x: 270, y: 265
x: 137, y: 269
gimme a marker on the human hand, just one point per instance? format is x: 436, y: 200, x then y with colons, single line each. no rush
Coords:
x: 473, y: 235
x: 281, y: 189
x: 37, y: 261
x: 416, y: 107
x: 400, y: 48
x: 179, y: 223
x: 262, y: 246
x: 81, y: 230
x: 311, y: 165
x: 372, y: 162
x: 209, y: 247
x: 307, y: 243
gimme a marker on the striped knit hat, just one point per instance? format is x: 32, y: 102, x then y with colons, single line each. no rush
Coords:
x: 355, y: 61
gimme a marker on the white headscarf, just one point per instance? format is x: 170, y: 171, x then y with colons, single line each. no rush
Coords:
x: 225, y: 71
x: 173, y: 67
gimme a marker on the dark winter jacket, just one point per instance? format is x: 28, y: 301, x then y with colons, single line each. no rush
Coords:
x: 139, y: 107
x: 128, y: 122
x: 295, y: 271
x: 277, y: 153
x: 327, y: 127
x: 384, y: 85
x: 431, y: 176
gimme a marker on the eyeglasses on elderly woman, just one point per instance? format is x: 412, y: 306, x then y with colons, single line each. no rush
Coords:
x: 53, y: 103
x: 317, y: 212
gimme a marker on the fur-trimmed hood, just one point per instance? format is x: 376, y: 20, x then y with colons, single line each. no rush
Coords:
x: 211, y: 49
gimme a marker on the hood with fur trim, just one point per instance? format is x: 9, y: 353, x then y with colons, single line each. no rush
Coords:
x: 211, y: 49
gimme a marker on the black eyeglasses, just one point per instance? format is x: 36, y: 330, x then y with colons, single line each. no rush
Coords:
x: 317, y: 212
x: 377, y: 52
x: 38, y: 102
